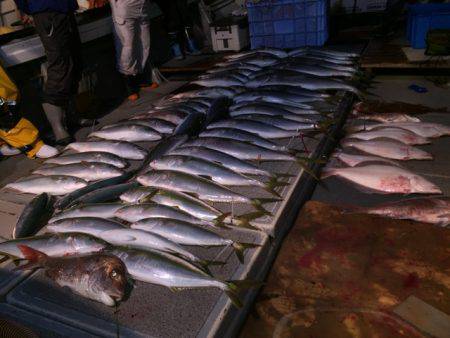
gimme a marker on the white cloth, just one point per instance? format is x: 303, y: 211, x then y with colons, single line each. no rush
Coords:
x: 131, y: 35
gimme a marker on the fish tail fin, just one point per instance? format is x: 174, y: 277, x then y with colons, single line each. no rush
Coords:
x: 245, y: 219
x: 234, y: 287
x: 220, y: 221
x: 274, y: 183
x: 239, y: 249
x: 302, y: 163
x: 258, y: 204
x: 34, y: 257
x: 205, y: 265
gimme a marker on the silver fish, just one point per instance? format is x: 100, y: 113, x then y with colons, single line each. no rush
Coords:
x: 385, y: 179
x: 241, y: 135
x: 280, y: 53
x: 388, y: 148
x: 102, y: 210
x: 260, y: 128
x: 293, y: 109
x: 223, y: 158
x: 235, y: 65
x: 161, y: 126
x: 84, y: 225
x: 323, y: 62
x: 55, y: 245
x: 185, y: 233
x: 271, y: 111
x: 293, y: 90
x: 214, y: 92
x: 130, y: 133
x: 172, y: 116
x: 34, y: 216
x: 201, y: 188
x: 239, y: 149
x: 315, y: 70
x: 231, y: 74
x: 211, y: 170
x: 173, y: 273
x: 140, y: 239
x: 89, y: 171
x: 402, y: 135
x: 279, y: 122
x: 304, y: 81
x: 99, y: 157
x: 325, y: 59
x: 218, y: 82
x: 434, y: 210
x: 258, y: 59
x: 122, y: 149
x: 136, y: 212
x: 53, y: 185
x: 275, y: 97
x: 182, y: 201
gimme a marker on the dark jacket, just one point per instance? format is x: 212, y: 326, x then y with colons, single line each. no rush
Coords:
x: 38, y: 6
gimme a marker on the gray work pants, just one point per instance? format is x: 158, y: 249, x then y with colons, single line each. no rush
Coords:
x: 131, y: 35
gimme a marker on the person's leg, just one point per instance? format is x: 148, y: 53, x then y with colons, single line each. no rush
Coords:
x: 127, y: 63
x: 54, y: 31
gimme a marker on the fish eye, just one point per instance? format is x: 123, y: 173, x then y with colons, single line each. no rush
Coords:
x: 114, y: 274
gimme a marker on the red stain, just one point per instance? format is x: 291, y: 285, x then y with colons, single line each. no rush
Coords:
x: 411, y: 281
x: 400, y: 184
x: 337, y: 241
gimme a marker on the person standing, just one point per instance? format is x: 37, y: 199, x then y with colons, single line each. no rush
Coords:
x: 55, y: 24
x: 132, y: 40
x: 179, y: 23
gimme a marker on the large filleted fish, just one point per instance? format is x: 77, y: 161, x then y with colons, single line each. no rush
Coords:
x: 388, y: 148
x: 385, y: 179
x: 434, y: 210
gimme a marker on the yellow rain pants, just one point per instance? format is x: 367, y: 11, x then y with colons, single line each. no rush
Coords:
x: 24, y: 136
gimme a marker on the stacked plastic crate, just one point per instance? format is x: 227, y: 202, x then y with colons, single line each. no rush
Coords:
x: 287, y: 23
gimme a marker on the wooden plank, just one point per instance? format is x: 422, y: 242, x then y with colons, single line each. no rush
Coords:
x: 425, y: 317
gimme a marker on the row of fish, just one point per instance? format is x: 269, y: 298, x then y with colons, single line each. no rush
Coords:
x: 169, y: 205
x: 373, y: 150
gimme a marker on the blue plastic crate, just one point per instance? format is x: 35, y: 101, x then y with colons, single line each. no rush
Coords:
x: 287, y: 23
x: 422, y: 18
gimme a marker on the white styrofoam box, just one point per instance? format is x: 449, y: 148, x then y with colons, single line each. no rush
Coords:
x: 361, y: 6
x: 229, y: 35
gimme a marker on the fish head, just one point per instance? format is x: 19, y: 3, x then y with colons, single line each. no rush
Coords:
x: 108, y: 280
x: 82, y: 243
